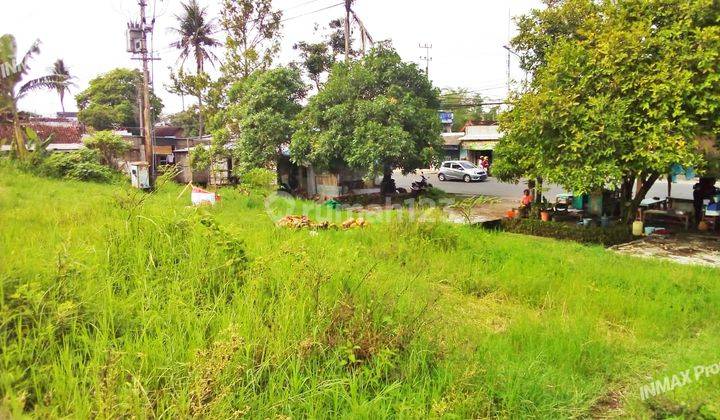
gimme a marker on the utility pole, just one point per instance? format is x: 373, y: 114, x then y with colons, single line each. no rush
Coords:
x: 427, y: 57
x: 147, y: 123
x: 137, y: 45
x: 348, y: 5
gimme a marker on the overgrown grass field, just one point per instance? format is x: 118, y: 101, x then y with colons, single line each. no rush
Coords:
x: 116, y: 304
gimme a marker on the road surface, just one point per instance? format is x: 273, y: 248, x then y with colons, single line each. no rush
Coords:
x: 493, y: 187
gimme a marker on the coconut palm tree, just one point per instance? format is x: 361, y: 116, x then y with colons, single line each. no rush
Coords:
x: 65, y: 80
x: 195, y: 39
x: 13, y: 87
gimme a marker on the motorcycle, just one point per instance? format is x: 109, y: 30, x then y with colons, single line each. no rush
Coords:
x: 421, y: 186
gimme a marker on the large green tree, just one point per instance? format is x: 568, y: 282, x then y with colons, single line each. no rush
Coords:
x: 112, y: 101
x: 622, y: 102
x: 14, y: 86
x: 258, y: 119
x: 187, y: 120
x: 373, y: 115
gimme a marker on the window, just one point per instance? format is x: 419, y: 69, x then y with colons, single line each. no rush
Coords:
x: 468, y: 165
x: 456, y: 166
x: 446, y: 165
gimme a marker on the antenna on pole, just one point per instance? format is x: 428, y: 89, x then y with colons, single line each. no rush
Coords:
x: 427, y: 58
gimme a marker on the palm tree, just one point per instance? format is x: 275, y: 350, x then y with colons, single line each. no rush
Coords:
x: 65, y: 80
x: 195, y: 39
x: 12, y: 88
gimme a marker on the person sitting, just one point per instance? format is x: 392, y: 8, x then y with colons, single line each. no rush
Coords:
x: 526, y: 199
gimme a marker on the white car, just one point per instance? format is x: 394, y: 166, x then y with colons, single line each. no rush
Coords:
x: 461, y: 170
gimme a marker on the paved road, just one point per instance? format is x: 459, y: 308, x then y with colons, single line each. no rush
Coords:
x: 680, y: 189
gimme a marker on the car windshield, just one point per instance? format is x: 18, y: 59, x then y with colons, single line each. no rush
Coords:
x: 468, y: 165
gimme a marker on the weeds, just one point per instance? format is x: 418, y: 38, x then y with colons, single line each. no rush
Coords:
x: 142, y: 307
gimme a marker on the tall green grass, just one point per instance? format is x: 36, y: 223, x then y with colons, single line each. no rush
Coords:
x: 117, y: 304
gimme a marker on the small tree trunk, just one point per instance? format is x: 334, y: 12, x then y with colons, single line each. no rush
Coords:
x: 626, y: 190
x: 645, y: 186
x: 538, y: 190
x: 19, y: 136
x: 200, y: 117
x: 199, y: 59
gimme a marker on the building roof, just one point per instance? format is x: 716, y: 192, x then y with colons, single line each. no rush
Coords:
x: 66, y: 147
x: 482, y: 133
x: 168, y: 131
x: 62, y: 132
x: 452, y: 139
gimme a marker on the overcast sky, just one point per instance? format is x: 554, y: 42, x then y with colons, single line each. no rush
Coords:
x: 467, y: 38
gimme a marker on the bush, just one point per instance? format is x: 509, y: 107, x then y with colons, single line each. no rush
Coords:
x: 259, y: 181
x: 108, y: 144
x: 81, y: 165
x: 200, y: 158
x: 586, y: 235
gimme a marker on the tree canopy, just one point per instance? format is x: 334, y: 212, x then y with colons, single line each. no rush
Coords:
x: 111, y: 100
x: 624, y: 100
x: 373, y: 115
x: 317, y: 58
x: 258, y: 118
x: 252, y: 42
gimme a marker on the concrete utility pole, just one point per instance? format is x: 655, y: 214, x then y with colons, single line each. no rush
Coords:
x: 427, y: 57
x: 147, y: 123
x: 348, y: 5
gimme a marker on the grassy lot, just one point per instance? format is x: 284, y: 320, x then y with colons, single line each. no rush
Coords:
x: 115, y: 304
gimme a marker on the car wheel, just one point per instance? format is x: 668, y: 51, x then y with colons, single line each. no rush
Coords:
x: 441, y: 177
x: 466, y: 178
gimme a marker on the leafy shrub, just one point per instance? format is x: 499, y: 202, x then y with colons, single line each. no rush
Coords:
x: 81, y: 165
x: 586, y: 235
x: 109, y: 145
x: 200, y: 158
x: 259, y: 181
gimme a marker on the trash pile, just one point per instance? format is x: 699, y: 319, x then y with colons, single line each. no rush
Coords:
x: 304, y: 222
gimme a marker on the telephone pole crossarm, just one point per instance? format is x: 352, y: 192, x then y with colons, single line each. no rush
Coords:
x: 427, y: 58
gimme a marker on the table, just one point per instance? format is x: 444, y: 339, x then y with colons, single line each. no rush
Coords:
x: 673, y: 215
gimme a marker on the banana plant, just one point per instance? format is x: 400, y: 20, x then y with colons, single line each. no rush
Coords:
x: 13, y: 87
x: 38, y: 145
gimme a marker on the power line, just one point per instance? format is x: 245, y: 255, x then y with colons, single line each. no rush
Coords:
x: 301, y: 5
x: 312, y: 13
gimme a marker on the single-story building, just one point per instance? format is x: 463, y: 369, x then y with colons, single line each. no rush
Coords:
x: 479, y: 141
x: 451, y: 145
